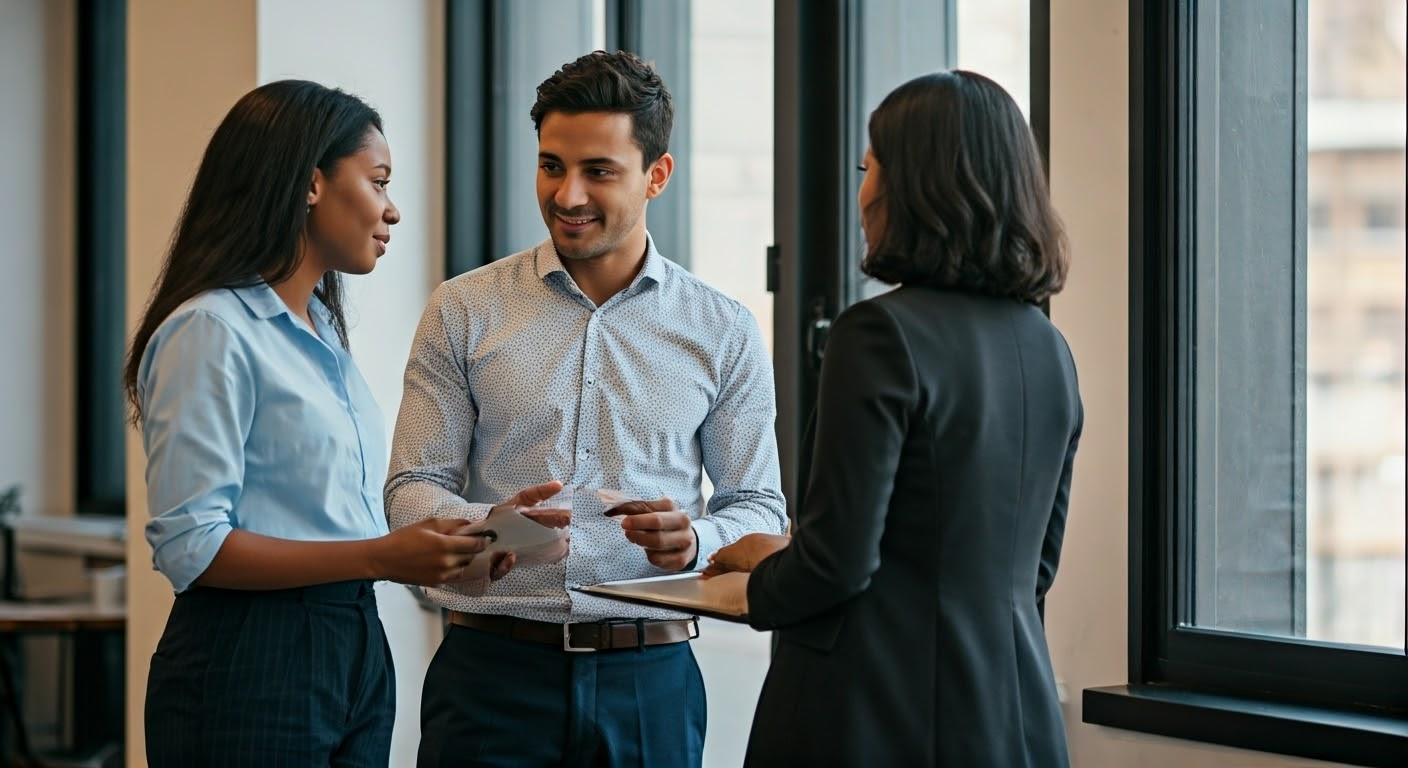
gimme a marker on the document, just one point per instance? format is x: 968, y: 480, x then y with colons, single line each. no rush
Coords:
x: 722, y: 597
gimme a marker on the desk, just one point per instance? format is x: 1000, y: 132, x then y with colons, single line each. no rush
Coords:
x: 97, y: 691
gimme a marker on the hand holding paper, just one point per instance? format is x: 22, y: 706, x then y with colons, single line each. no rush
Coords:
x: 532, y: 528
x: 665, y: 532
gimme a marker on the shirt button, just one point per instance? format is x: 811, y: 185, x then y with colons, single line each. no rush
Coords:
x: 585, y: 453
x: 590, y: 381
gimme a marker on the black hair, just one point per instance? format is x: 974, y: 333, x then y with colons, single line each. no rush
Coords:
x: 245, y: 215
x: 964, y: 202
x: 612, y: 82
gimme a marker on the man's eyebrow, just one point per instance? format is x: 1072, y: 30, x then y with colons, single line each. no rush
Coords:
x: 585, y: 161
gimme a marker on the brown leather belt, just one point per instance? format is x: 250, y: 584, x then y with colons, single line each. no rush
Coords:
x: 608, y: 635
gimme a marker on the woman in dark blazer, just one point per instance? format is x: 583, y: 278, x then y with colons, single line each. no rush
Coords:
x: 907, y: 603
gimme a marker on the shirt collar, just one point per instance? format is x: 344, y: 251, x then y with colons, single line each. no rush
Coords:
x: 652, y: 272
x: 263, y: 303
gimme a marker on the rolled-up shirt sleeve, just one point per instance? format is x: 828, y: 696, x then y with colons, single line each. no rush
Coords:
x: 739, y: 445
x: 197, y: 393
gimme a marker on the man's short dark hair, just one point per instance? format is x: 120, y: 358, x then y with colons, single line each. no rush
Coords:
x: 612, y: 82
x: 964, y: 200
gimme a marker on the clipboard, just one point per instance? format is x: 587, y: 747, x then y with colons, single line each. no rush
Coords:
x: 720, y: 597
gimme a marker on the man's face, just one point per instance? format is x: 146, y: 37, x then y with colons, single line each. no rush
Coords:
x: 591, y: 188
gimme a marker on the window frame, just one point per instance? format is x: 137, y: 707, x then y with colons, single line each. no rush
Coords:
x: 1286, y: 695
x: 100, y: 286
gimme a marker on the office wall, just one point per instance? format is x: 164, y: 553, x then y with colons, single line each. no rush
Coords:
x: 187, y: 63
x: 37, y: 258
x: 391, y: 53
x: 1087, y: 615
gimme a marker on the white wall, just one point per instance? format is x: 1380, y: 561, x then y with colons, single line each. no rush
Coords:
x: 37, y: 258
x: 390, y: 53
x: 1087, y: 616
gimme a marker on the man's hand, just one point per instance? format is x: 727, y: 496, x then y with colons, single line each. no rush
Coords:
x: 426, y: 554
x: 745, y: 554
x: 663, y: 531
x: 535, y: 494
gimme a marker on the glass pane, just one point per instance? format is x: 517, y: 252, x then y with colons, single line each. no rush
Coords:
x: 902, y: 39
x: 730, y: 158
x: 1248, y: 321
x: 531, y: 52
x: 897, y: 40
x: 1355, y: 351
x: 994, y: 40
x: 1297, y: 333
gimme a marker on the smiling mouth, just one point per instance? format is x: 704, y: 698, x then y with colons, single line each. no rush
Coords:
x: 575, y: 221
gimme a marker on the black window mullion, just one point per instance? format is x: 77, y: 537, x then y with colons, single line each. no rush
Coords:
x: 101, y: 240
x: 469, y: 56
x: 811, y: 187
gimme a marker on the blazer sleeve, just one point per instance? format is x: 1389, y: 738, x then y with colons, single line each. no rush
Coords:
x: 1056, y: 525
x: 866, y: 398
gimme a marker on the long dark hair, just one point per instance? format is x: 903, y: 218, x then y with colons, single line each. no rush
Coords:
x: 964, y: 201
x: 247, y: 209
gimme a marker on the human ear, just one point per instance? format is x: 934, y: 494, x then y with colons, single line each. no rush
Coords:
x: 315, y: 187
x: 658, y: 176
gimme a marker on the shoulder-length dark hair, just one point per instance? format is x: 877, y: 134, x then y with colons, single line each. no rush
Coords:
x: 244, y: 218
x: 964, y: 202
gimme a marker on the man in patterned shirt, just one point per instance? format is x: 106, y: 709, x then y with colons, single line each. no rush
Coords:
x: 592, y: 360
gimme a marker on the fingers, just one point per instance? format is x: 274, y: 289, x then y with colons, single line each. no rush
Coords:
x: 467, y: 544
x: 535, y: 494
x: 713, y: 569
x: 503, y: 562
x: 641, y: 507
x: 446, y: 525
x: 673, y: 560
x: 661, y: 541
x: 673, y: 520
x: 551, y: 518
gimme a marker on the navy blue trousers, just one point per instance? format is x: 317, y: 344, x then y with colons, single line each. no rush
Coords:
x: 493, y: 701
x: 294, y: 677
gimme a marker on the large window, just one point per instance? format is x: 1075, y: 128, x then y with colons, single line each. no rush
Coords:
x: 1267, y: 389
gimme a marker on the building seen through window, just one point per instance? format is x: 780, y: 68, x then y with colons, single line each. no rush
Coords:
x: 1355, y: 323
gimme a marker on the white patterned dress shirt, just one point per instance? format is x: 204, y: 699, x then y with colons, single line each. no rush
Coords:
x: 516, y: 378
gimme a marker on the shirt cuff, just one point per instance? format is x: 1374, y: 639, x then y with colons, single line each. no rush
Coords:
x: 182, y: 560
x: 706, y: 533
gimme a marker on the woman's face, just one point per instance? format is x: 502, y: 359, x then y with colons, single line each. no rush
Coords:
x: 350, y: 216
x: 872, y: 214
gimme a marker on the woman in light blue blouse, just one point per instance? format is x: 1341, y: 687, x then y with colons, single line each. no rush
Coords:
x: 266, y: 452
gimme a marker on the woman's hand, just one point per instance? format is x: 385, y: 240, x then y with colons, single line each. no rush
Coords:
x: 745, y: 554
x: 428, y: 553
x: 442, y: 551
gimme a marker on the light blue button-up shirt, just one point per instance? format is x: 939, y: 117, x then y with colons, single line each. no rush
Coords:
x: 516, y: 378
x: 252, y: 421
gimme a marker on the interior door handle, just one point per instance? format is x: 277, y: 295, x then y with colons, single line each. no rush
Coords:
x: 817, y: 331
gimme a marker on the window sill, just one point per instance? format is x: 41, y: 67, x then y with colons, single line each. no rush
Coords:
x: 1287, y: 729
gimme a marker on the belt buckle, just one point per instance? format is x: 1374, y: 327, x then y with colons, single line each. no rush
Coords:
x: 567, y: 641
